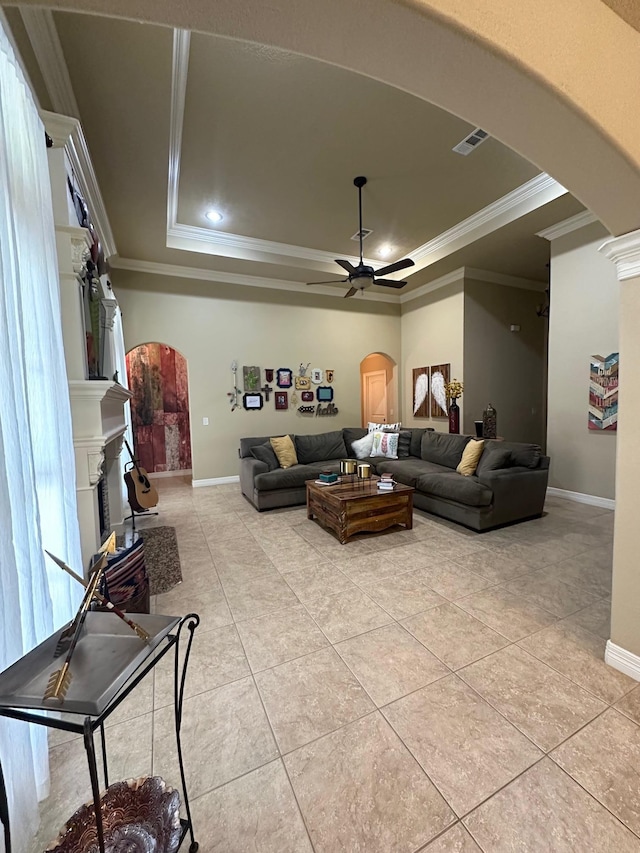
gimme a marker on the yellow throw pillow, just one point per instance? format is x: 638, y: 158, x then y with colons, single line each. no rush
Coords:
x: 284, y: 449
x: 470, y: 458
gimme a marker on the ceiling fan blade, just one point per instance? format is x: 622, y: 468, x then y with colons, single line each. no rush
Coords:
x: 346, y: 265
x: 389, y: 282
x: 351, y: 292
x: 331, y: 281
x: 399, y: 265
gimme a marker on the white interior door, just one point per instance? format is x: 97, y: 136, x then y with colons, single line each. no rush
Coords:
x: 374, y: 393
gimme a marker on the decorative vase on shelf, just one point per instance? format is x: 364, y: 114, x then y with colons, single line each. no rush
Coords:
x: 489, y: 422
x: 454, y: 416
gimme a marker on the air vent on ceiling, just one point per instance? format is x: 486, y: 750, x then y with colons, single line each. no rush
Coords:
x: 365, y: 233
x: 470, y: 142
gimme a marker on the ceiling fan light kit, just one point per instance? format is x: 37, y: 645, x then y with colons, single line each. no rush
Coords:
x: 363, y: 276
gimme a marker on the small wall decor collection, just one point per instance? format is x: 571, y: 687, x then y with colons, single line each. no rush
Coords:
x: 255, y: 394
x: 603, y: 392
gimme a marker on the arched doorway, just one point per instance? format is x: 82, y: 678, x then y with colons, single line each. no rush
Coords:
x: 378, y: 389
x: 158, y: 380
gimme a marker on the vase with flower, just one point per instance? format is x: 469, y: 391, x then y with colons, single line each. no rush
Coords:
x: 454, y: 391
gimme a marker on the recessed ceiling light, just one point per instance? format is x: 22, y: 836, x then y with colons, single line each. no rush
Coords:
x: 213, y: 216
x: 385, y: 251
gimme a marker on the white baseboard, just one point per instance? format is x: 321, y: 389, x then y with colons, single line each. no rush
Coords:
x: 622, y: 660
x: 580, y: 498
x: 215, y: 481
x: 182, y: 472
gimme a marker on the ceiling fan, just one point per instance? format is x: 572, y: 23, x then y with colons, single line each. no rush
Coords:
x: 364, y: 276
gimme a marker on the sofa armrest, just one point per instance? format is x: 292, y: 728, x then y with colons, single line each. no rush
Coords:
x: 249, y: 469
x: 520, y: 492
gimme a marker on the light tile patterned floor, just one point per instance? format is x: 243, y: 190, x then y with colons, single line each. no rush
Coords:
x: 433, y: 690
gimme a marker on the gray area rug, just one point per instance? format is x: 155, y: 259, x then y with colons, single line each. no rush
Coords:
x: 161, y: 558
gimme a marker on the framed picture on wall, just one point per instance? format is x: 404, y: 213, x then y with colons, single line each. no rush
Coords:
x: 317, y: 376
x: 440, y: 374
x: 324, y: 393
x: 252, y: 401
x: 284, y: 377
x: 307, y: 396
x: 282, y: 401
x: 303, y: 383
x: 420, y: 392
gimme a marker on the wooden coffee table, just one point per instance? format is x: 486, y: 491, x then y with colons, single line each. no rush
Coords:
x: 350, y: 508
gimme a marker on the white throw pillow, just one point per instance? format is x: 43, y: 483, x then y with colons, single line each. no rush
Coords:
x: 362, y: 446
x: 371, y: 427
x: 385, y: 444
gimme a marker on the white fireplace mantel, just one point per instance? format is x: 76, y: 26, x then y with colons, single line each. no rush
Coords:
x: 98, y: 417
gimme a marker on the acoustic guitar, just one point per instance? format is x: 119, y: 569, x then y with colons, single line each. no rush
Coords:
x: 142, y: 495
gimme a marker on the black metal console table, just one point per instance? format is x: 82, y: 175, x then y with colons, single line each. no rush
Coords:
x: 91, y: 723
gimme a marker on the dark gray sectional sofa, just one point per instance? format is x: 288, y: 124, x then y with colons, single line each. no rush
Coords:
x: 509, y: 485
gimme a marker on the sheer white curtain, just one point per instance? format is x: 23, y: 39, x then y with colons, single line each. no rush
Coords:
x: 37, y: 469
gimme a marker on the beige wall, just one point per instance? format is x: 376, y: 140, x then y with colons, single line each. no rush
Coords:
x: 502, y: 367
x: 212, y: 324
x: 583, y: 322
x: 432, y: 333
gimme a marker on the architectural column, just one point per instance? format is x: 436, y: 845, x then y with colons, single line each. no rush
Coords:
x: 623, y: 649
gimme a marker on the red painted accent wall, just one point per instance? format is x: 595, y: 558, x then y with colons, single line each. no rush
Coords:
x: 160, y: 407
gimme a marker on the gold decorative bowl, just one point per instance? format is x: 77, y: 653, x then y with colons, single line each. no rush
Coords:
x: 348, y: 466
x: 138, y: 816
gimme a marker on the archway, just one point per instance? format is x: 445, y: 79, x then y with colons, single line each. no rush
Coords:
x: 158, y: 380
x: 378, y: 389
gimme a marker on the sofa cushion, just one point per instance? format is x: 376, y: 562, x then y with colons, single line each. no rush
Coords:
x: 525, y: 455
x: 493, y: 458
x: 443, y: 448
x: 406, y: 471
x: 404, y: 443
x: 453, y: 487
x: 285, y: 450
x: 247, y: 443
x: 371, y: 427
x: 385, y: 444
x: 416, y: 442
x: 351, y: 434
x: 285, y: 478
x: 265, y: 453
x: 361, y: 448
x: 317, y: 448
x: 470, y: 458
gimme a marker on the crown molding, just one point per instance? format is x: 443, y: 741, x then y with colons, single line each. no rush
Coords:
x: 528, y: 197
x: 505, y: 280
x: 179, y: 74
x: 573, y: 223
x: 193, y: 238
x: 436, y: 284
x: 624, y: 251
x: 533, y: 194
x: 174, y: 271
x: 43, y: 35
x: 67, y: 132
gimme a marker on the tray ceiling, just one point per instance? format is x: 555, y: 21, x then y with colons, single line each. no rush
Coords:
x: 273, y: 140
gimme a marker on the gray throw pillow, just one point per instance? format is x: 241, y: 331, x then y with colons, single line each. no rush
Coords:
x: 265, y: 453
x: 404, y: 443
x: 526, y: 455
x: 492, y: 459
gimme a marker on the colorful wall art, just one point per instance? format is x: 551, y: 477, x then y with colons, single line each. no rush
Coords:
x: 159, y: 407
x: 421, y: 392
x: 439, y: 378
x: 603, y: 392
x: 251, y: 376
